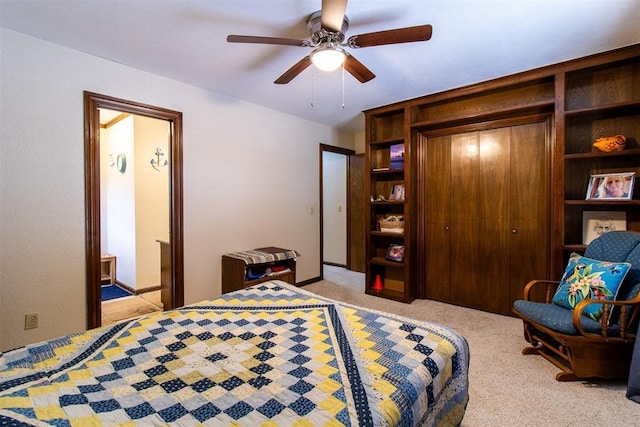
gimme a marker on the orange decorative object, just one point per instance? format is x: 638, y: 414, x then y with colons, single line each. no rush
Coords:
x: 377, y: 284
x: 610, y: 143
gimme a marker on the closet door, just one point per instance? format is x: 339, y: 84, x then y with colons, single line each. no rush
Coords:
x: 530, y: 206
x: 480, y: 219
x: 486, y: 213
x: 464, y: 210
x: 493, y: 221
x: 437, y: 222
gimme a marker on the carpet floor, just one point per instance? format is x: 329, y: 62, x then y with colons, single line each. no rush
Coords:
x: 129, y: 307
x: 506, y: 388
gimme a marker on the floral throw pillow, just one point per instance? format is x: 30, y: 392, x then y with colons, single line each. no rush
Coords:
x: 589, y: 278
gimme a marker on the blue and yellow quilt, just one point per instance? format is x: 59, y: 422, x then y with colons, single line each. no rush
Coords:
x: 269, y: 355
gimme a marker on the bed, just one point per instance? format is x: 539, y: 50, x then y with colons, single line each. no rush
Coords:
x: 268, y: 355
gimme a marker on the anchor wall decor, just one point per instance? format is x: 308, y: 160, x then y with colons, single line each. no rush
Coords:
x: 157, y: 163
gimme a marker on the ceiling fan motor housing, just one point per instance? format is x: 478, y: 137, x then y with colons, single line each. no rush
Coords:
x: 320, y: 35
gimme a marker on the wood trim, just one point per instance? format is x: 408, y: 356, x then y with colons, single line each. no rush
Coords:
x: 514, y: 79
x: 92, y: 102
x: 115, y: 120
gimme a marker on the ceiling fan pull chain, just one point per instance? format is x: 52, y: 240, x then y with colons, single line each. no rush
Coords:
x: 313, y: 74
x: 343, y: 86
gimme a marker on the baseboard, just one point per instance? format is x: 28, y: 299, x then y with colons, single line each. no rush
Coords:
x: 133, y: 291
x: 334, y: 264
x: 149, y: 289
x: 309, y: 281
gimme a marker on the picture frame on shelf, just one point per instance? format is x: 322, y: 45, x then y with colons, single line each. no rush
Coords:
x: 395, y: 253
x: 397, y: 192
x: 611, y: 186
x: 396, y: 156
x: 597, y: 223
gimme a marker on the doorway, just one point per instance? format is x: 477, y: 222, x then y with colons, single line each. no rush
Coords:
x: 335, y: 215
x: 93, y: 103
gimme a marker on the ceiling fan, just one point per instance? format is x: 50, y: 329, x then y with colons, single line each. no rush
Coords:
x: 327, y: 28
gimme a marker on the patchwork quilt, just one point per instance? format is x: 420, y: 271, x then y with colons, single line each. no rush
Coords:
x: 269, y: 355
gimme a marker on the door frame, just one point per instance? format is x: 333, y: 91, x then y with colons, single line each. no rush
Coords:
x: 346, y: 152
x: 92, y: 103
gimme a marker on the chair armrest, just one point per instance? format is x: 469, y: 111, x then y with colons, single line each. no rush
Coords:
x: 550, y: 288
x: 624, y: 322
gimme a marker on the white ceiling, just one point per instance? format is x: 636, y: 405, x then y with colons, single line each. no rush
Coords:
x: 473, y: 41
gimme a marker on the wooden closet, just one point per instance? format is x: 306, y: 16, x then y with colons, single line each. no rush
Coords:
x: 496, y: 175
x: 485, y: 211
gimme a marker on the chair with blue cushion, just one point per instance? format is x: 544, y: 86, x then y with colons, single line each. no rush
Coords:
x: 587, y: 323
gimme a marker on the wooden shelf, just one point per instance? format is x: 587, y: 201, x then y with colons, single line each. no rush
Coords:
x: 388, y: 171
x: 601, y: 100
x: 612, y: 109
x: 603, y: 202
x: 386, y: 263
x: 389, y: 141
x: 285, y: 276
x: 386, y: 234
x: 602, y: 155
x: 385, y: 129
x: 389, y: 294
x: 388, y: 203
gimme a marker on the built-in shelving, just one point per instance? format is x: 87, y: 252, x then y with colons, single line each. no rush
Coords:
x: 600, y: 100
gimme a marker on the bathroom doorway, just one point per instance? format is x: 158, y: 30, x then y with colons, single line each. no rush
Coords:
x: 172, y: 274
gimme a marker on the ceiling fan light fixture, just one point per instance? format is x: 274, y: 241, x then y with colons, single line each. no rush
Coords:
x: 328, y: 58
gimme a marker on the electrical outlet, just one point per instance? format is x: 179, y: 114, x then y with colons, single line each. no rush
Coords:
x: 30, y: 321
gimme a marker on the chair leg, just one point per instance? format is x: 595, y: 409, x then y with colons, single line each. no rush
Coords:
x: 532, y: 350
x: 566, y: 376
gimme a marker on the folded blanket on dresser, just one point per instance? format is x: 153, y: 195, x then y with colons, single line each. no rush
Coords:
x: 267, y: 355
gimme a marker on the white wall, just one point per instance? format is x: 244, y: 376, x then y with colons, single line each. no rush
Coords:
x: 119, y: 195
x: 250, y: 175
x: 152, y: 198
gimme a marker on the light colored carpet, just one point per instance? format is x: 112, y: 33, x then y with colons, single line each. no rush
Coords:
x: 506, y: 388
x: 130, y: 307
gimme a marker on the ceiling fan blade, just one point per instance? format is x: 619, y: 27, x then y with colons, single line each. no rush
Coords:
x: 292, y: 72
x: 418, y: 33
x: 267, y: 40
x: 357, y: 69
x: 333, y: 14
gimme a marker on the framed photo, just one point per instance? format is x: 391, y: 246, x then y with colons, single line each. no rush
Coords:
x: 396, y: 154
x: 397, y: 192
x: 596, y: 223
x: 395, y: 253
x: 611, y: 186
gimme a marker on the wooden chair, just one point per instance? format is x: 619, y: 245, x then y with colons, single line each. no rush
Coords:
x: 580, y: 346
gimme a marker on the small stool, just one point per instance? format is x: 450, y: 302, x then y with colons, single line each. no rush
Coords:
x: 108, y: 269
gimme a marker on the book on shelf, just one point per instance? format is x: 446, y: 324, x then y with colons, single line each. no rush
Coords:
x: 380, y: 169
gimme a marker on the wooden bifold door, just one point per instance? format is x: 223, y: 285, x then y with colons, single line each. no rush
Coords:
x: 484, y: 211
